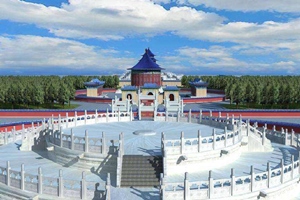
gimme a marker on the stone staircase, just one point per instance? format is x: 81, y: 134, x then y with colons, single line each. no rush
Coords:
x: 141, y: 171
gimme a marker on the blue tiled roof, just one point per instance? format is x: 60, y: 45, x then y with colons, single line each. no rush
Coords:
x: 198, y: 82
x: 129, y: 88
x: 148, y: 62
x: 150, y: 86
x: 94, y: 83
x: 171, y: 88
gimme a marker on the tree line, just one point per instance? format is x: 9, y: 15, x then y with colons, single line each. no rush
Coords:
x: 38, y: 90
x: 260, y: 90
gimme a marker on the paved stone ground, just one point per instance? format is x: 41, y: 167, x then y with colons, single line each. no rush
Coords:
x: 140, y: 144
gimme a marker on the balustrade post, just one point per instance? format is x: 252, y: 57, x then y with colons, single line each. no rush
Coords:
x: 292, y: 170
x: 60, y: 184
x: 107, y: 115
x: 86, y: 146
x: 252, y: 178
x: 220, y: 115
x: 199, y: 141
x: 286, y: 136
x: 162, y: 142
x: 178, y: 115
x: 292, y: 137
x: 186, y: 187
x: 61, y: 137
x: 67, y: 120
x: 59, y: 120
x: 274, y: 129
x: 14, y: 133
x: 214, y: 138
x: 226, y: 137
x: 75, y: 115
x: 96, y: 116
x: 85, y: 116
x: 200, y: 117
x: 227, y: 118
x: 43, y: 124
x: 7, y: 173
x: 40, y: 181
x: 32, y: 126
x: 282, y: 171
x: 248, y: 127
x: 166, y: 115
x: 107, y: 187
x: 23, y: 132
x: 232, y: 184
x: 264, y: 136
x: 232, y: 120
x: 6, y: 136
x: 269, y: 174
x: 83, y: 185
x: 210, y: 184
x: 72, y: 140
x: 165, y: 166
x: 103, y: 150
x: 162, y: 186
x: 22, y: 177
x: 182, y: 143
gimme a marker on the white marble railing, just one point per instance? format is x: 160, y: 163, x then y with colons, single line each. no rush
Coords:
x: 241, y: 185
x: 54, y: 186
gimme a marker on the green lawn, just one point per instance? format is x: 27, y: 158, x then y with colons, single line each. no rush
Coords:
x: 260, y: 106
x: 43, y: 106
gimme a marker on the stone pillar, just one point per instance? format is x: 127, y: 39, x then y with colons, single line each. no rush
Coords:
x: 162, y: 186
x: 248, y: 127
x: 131, y: 114
x: 103, y: 143
x: 22, y: 177
x: 6, y: 136
x: 40, y: 181
x: 186, y: 187
x: 166, y: 115
x: 199, y: 141
x: 286, y: 136
x: 292, y: 137
x: 14, y: 133
x: 182, y: 143
x: 86, y: 146
x: 252, y: 179
x: 190, y: 116
x: 43, y: 124
x: 269, y: 175
x: 214, y: 139
x: 75, y: 116
x: 85, y: 116
x: 274, y: 129
x: 23, y: 132
x: 59, y: 120
x: 178, y: 115
x: 96, y: 116
x: 220, y: 115
x: 83, y: 185
x: 162, y: 142
x: 232, y: 120
x: 292, y: 162
x: 67, y: 120
x: 165, y: 166
x: 60, y: 184
x: 7, y: 173
x: 232, y: 184
x: 107, y: 187
x: 282, y: 171
x: 72, y: 140
x: 264, y: 136
x: 107, y: 115
x: 210, y: 184
x: 200, y: 117
x: 61, y: 137
x: 225, y: 133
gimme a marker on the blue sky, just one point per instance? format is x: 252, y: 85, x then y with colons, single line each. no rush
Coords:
x: 201, y: 37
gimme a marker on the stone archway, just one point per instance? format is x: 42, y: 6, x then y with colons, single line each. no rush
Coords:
x: 129, y: 96
x: 171, y: 97
x: 150, y: 93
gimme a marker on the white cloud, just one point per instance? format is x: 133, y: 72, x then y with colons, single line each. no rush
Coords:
x: 250, y: 5
x: 29, y: 52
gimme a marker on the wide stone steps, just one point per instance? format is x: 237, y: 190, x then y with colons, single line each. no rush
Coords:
x: 141, y: 171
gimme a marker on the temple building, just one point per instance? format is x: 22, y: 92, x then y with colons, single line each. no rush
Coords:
x: 198, y: 88
x: 146, y: 70
x: 94, y: 87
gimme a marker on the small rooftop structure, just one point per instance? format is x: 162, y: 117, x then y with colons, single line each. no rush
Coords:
x: 150, y: 86
x: 94, y: 83
x: 147, y: 63
x: 198, y: 83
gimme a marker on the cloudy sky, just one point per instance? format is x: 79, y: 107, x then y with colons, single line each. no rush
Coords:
x: 203, y: 37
